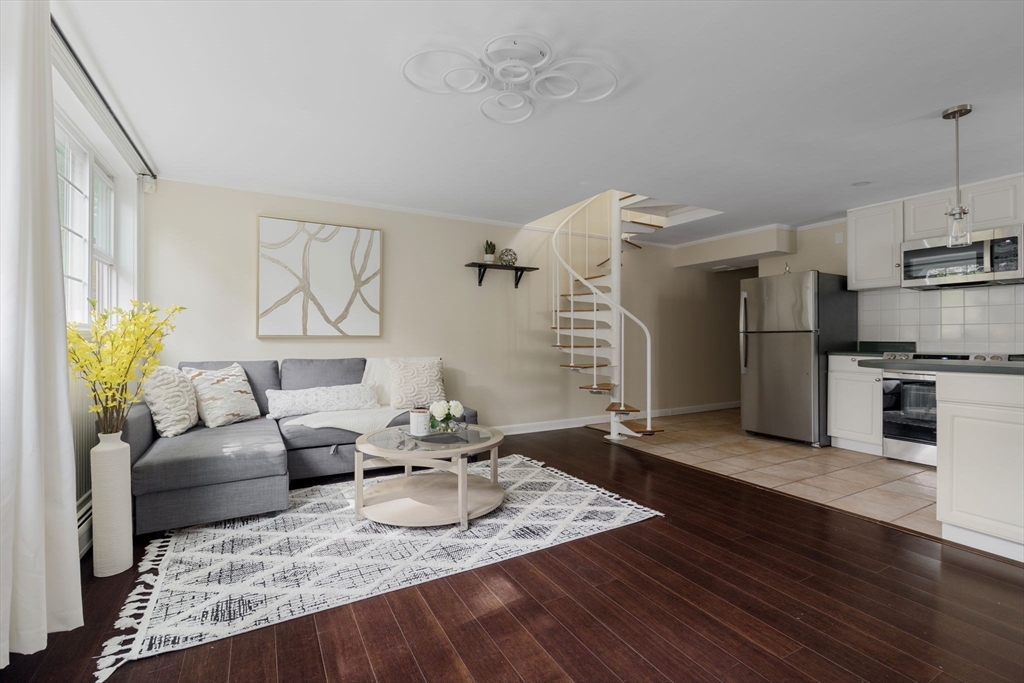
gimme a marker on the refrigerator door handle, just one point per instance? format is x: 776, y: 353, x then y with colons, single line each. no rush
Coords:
x: 743, y: 333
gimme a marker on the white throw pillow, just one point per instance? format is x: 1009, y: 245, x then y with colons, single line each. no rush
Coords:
x: 415, y: 383
x: 320, y: 399
x: 224, y: 396
x: 171, y: 399
x: 377, y: 376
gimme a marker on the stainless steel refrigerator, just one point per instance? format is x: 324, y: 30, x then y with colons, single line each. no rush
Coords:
x: 788, y: 324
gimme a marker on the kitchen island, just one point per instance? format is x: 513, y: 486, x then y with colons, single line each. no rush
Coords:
x: 980, y: 441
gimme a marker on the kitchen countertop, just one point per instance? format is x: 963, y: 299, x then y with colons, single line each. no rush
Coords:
x: 990, y: 367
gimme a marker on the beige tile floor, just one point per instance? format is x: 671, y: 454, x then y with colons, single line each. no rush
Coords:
x: 892, y: 491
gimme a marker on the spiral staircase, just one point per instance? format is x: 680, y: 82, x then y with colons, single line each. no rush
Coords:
x: 587, y: 315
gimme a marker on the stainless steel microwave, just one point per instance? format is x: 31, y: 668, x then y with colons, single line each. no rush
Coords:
x: 993, y: 257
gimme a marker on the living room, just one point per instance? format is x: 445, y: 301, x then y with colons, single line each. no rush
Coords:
x: 403, y: 341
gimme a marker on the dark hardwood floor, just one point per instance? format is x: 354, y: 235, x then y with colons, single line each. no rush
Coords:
x: 735, y: 583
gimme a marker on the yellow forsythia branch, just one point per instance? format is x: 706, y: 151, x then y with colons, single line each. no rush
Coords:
x: 123, y: 347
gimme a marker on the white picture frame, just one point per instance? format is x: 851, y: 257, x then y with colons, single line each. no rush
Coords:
x: 318, y: 280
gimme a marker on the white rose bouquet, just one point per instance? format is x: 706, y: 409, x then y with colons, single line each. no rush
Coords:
x: 443, y: 415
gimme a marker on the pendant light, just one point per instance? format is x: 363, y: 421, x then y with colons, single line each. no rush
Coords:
x: 959, y: 217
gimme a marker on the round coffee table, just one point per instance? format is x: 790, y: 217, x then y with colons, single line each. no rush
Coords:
x: 428, y: 499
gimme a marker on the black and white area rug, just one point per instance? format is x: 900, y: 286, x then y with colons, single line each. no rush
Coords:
x: 214, y: 581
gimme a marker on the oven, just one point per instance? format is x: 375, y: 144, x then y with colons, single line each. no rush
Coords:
x: 993, y: 257
x: 909, y: 422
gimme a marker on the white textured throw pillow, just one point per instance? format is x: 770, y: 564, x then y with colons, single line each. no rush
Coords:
x: 377, y: 375
x: 171, y: 399
x: 320, y: 399
x: 224, y: 396
x: 415, y: 383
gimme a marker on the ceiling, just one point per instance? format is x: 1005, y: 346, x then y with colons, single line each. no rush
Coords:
x: 766, y: 111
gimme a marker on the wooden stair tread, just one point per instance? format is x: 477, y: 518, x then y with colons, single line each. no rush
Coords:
x: 580, y: 346
x: 584, y: 366
x: 627, y: 196
x: 567, y: 330
x: 621, y: 408
x: 603, y: 262
x: 600, y: 386
x: 649, y: 225
x: 594, y: 277
x: 583, y: 310
x: 640, y: 427
x: 586, y: 293
x: 632, y: 244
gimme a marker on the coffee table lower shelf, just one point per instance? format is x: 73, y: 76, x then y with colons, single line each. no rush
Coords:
x: 429, y: 499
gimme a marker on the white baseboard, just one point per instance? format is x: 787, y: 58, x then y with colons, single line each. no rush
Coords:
x: 572, y: 422
x: 859, y: 446
x: 976, y: 539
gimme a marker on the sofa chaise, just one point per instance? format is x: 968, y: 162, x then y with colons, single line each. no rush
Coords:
x: 208, y: 475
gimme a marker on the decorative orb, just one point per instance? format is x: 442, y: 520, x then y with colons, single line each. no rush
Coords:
x: 507, y: 257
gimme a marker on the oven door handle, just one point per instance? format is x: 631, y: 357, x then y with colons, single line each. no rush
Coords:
x: 920, y: 377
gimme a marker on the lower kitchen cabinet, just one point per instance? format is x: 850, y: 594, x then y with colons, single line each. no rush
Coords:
x: 981, y: 461
x: 854, y: 406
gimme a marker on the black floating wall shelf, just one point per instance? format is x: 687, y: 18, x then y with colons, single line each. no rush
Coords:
x: 481, y: 270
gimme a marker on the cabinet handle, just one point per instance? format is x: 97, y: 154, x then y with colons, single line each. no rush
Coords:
x: 853, y: 360
x: 897, y: 265
x: 878, y: 379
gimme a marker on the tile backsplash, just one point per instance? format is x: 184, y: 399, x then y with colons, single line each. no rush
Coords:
x: 969, y: 320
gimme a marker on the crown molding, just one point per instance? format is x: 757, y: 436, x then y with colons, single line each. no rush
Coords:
x: 344, y: 200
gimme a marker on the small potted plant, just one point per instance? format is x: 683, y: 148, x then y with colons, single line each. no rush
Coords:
x: 489, y: 249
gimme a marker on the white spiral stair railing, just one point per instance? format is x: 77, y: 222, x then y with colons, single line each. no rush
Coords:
x: 615, y: 317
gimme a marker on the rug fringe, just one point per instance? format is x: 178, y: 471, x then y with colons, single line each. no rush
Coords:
x: 121, y: 649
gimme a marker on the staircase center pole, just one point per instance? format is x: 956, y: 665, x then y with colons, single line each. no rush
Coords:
x: 615, y: 253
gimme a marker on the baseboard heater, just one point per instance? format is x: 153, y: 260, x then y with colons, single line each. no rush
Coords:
x: 84, y: 524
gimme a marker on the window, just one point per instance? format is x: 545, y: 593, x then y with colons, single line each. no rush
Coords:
x: 85, y: 194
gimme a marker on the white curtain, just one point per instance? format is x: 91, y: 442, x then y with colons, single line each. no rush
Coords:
x: 40, y: 588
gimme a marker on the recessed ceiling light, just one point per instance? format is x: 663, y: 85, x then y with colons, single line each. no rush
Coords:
x: 861, y: 183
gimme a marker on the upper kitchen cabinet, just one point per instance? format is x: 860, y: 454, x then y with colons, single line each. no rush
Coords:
x: 925, y: 216
x: 993, y: 204
x: 874, y: 235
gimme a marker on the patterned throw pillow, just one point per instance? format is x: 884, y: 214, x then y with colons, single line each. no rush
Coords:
x: 376, y: 375
x: 224, y: 395
x: 171, y: 399
x: 320, y: 400
x: 415, y: 383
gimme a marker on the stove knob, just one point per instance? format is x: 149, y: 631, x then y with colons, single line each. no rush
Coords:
x: 995, y: 357
x: 904, y: 356
x: 979, y: 357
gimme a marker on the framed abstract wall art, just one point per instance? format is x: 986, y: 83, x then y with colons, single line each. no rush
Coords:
x: 318, y: 280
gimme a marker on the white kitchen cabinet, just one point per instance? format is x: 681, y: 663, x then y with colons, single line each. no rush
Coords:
x: 981, y: 457
x: 854, y: 405
x: 925, y: 216
x: 995, y: 203
x: 874, y: 235
x: 992, y: 204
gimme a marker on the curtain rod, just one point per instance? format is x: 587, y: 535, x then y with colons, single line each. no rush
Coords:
x: 74, y: 55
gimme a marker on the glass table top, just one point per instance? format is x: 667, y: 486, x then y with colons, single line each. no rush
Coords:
x: 395, y: 439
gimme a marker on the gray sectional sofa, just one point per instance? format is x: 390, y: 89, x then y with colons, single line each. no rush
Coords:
x: 208, y: 475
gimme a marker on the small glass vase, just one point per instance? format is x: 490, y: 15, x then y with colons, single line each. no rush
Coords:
x: 448, y: 426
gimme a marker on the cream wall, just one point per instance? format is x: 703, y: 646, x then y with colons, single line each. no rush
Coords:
x: 201, y: 252
x: 744, y: 248
x: 693, y: 319
x: 816, y: 249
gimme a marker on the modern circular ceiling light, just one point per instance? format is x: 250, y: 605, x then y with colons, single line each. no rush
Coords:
x: 513, y: 72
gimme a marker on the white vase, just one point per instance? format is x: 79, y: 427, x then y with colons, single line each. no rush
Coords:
x: 111, y: 506
x: 488, y: 258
